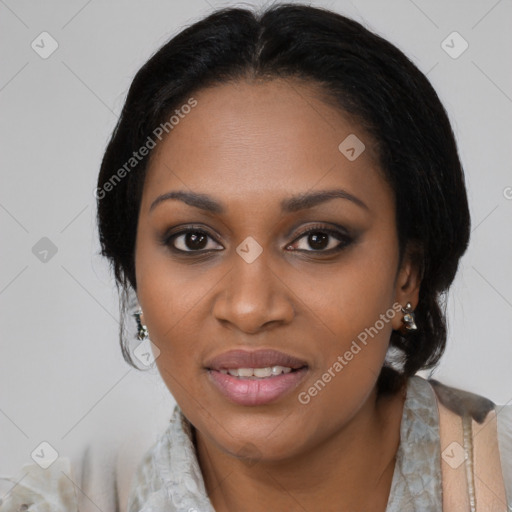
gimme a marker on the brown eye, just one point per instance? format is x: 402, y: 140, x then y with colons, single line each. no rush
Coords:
x: 321, y: 239
x: 190, y: 240
x: 318, y: 240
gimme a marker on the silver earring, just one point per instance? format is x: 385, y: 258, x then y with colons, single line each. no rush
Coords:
x: 408, y: 320
x: 142, y: 330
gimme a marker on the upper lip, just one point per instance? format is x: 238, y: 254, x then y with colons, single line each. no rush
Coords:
x: 262, y: 358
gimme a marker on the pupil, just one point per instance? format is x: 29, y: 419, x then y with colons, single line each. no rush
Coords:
x: 195, y: 240
x: 317, y: 240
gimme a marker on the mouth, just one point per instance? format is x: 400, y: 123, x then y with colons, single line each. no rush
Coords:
x: 257, y: 377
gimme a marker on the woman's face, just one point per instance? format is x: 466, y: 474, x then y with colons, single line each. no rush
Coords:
x: 248, y: 278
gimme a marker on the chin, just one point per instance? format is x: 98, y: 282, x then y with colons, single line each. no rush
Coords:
x: 255, y: 446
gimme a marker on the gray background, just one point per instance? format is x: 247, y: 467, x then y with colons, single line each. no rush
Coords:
x: 63, y: 379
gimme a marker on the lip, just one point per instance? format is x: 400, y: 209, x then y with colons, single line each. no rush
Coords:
x: 261, y: 358
x: 249, y: 391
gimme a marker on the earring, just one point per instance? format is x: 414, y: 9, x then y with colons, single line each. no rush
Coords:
x: 142, y: 330
x: 408, y: 320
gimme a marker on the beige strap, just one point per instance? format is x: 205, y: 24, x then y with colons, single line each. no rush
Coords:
x: 489, y: 484
x: 470, y: 463
x: 455, y: 485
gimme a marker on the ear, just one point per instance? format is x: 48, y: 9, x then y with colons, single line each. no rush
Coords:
x: 408, y: 280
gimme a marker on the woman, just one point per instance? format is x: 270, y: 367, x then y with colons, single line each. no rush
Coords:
x: 283, y: 196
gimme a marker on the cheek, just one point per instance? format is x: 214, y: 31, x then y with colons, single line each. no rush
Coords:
x: 353, y: 294
x: 163, y: 297
x: 354, y: 313
x: 169, y: 315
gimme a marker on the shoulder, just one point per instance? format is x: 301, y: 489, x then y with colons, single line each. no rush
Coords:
x: 462, y: 402
x: 38, y: 487
x: 98, y: 475
x: 504, y: 423
x: 85, y: 482
x: 478, y: 407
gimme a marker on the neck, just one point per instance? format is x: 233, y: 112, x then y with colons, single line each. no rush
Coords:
x: 339, y: 471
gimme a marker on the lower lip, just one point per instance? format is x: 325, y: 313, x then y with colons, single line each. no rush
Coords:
x: 256, y: 391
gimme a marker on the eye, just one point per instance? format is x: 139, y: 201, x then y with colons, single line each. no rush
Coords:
x: 322, y: 239
x: 190, y: 240
x: 319, y: 239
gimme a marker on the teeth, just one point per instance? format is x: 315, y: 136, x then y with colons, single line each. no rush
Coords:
x: 261, y: 373
x: 276, y: 370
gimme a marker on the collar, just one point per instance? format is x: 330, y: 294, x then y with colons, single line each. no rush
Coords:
x: 169, y: 477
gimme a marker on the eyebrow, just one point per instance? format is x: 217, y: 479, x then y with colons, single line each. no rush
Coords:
x: 288, y: 205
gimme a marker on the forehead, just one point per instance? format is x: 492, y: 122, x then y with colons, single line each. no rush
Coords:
x: 256, y: 140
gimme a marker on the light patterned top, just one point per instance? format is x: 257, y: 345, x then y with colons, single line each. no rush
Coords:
x: 169, y: 478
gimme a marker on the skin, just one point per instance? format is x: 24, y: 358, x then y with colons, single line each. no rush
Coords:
x: 249, y: 145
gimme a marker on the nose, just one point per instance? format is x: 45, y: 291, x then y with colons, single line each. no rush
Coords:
x: 253, y: 297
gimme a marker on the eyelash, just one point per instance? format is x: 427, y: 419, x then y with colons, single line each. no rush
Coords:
x: 345, y: 240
